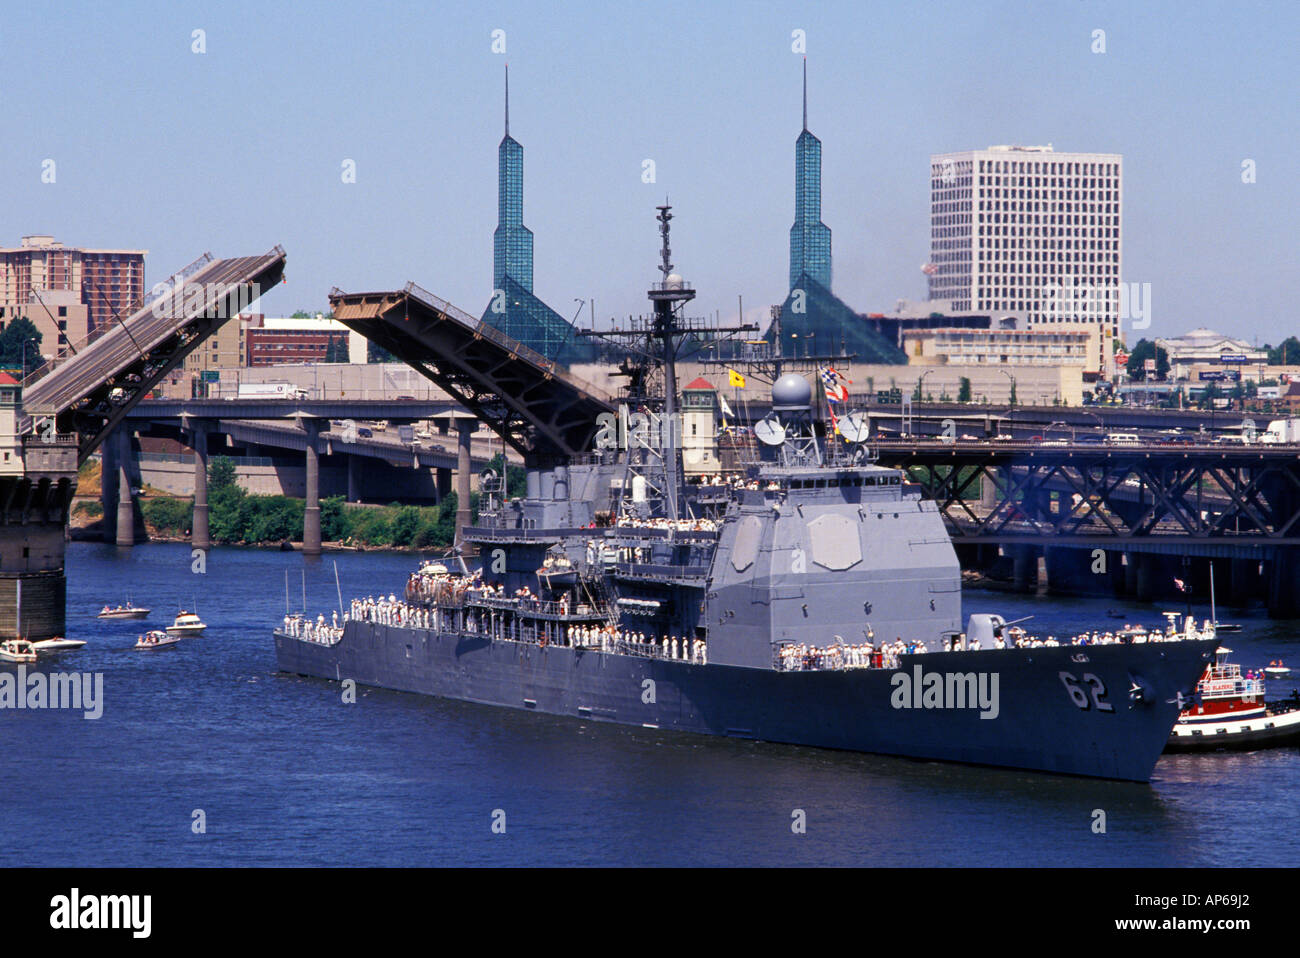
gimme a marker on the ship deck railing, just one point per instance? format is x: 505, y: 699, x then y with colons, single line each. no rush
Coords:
x: 540, y: 608
x: 689, y: 575
x: 504, y: 534
x: 327, y: 635
x: 651, y: 533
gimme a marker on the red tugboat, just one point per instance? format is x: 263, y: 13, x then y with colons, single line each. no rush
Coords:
x: 1231, y: 713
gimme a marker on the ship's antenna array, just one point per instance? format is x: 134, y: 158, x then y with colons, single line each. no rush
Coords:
x: 654, y: 477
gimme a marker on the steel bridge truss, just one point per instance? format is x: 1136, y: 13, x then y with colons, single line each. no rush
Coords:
x: 1119, y: 498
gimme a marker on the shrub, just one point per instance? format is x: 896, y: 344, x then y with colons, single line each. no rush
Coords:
x: 173, y: 516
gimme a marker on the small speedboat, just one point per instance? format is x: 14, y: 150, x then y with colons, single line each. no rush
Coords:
x: 1276, y: 670
x: 157, y: 639
x: 128, y: 611
x: 1227, y: 627
x: 17, y: 650
x: 56, y: 645
x: 187, y: 623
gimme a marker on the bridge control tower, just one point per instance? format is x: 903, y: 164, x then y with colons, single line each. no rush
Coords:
x: 38, y: 475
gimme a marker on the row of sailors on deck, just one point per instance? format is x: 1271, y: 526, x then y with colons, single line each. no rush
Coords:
x: 607, y: 637
x: 736, y: 482
x: 443, y: 588
x: 326, y: 633
x: 677, y: 525
x: 393, y: 611
x: 864, y: 655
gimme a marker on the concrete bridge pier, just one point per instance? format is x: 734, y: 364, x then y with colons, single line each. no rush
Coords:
x: 1025, y: 568
x: 125, y: 504
x: 989, y: 494
x: 311, y: 513
x: 108, y: 485
x: 199, y: 535
x: 354, y: 485
x: 1241, y: 583
x: 1283, y: 584
x: 1144, y: 576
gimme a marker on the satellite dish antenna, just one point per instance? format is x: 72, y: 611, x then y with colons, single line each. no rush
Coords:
x: 769, y: 432
x: 855, y: 427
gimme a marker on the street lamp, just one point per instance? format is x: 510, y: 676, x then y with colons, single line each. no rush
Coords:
x: 1011, y: 398
x: 920, y: 394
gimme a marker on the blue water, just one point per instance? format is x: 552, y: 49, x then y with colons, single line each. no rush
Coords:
x: 286, y: 774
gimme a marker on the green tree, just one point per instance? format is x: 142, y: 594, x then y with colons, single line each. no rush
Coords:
x: 405, y: 525
x: 335, y: 520
x: 20, y: 345
x: 963, y: 391
x: 1137, y: 359
x: 445, y: 530
x: 336, y: 351
x: 1284, y: 354
x: 221, y: 474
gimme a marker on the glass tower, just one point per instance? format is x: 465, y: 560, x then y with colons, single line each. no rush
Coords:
x: 514, y: 309
x: 512, y: 243
x: 810, y: 238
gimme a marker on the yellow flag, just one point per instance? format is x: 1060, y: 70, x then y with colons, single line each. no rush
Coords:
x: 735, y: 379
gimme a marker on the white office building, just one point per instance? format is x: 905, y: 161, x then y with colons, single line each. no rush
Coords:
x: 1030, y: 233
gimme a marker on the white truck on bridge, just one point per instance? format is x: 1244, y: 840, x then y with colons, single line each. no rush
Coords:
x: 1282, y: 431
x: 271, y: 391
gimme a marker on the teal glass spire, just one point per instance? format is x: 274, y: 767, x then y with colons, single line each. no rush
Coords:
x: 810, y: 238
x: 513, y: 308
x: 512, y: 243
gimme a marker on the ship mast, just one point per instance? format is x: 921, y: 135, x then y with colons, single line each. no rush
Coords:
x: 660, y: 342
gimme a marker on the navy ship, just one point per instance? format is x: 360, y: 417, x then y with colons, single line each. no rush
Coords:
x: 805, y: 596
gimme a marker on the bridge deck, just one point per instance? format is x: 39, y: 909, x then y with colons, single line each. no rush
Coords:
x: 537, y: 406
x: 94, y: 387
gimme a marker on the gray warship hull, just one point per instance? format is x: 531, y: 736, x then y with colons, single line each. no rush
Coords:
x: 1101, y: 729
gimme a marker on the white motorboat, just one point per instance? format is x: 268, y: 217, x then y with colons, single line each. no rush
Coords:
x: 128, y: 611
x: 56, y: 645
x: 17, y: 650
x: 187, y: 623
x: 157, y: 639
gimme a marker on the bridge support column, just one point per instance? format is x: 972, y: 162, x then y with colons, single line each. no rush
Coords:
x: 354, y: 484
x: 989, y: 495
x: 311, y: 514
x: 108, y: 486
x: 1130, y: 574
x: 1242, y: 584
x: 1283, y: 584
x: 1144, y: 580
x: 125, y: 505
x: 466, y: 430
x: 199, y: 537
x: 1025, y: 568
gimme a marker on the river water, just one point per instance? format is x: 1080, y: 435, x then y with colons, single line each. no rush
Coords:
x: 206, y: 755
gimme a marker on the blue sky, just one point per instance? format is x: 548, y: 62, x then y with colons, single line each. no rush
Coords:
x: 241, y: 147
